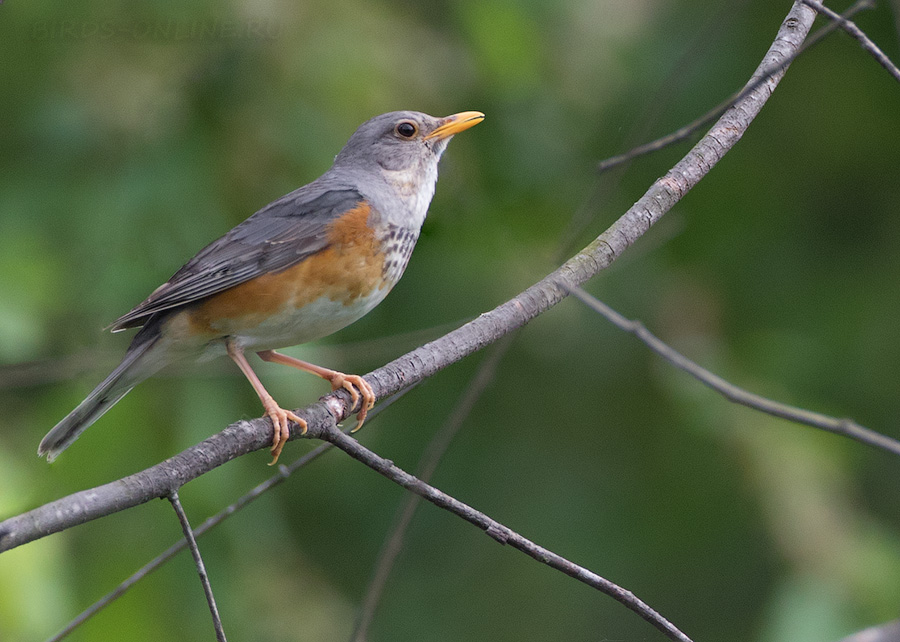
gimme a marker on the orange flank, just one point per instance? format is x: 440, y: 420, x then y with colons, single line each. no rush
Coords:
x: 351, y: 266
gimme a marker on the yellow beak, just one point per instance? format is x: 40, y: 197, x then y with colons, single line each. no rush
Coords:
x: 456, y: 123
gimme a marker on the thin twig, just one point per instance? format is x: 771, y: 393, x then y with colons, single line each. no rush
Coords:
x: 283, y: 472
x: 763, y: 76
x: 857, y: 33
x: 845, y: 427
x: 198, y: 562
x: 642, y: 126
x: 428, y: 463
x: 39, y: 372
x: 495, y: 529
x: 211, y: 522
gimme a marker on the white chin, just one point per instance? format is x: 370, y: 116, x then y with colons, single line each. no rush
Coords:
x: 440, y: 146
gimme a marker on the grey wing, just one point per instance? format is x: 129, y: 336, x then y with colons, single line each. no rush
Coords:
x: 274, y: 238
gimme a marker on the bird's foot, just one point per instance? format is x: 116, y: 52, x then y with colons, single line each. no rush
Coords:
x: 281, y: 419
x: 358, y: 388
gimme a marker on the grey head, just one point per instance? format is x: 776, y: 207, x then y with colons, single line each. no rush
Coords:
x: 393, y: 159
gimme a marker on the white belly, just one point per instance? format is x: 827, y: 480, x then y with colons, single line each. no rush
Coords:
x: 313, y: 321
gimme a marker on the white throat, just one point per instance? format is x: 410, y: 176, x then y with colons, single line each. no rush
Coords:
x: 415, y: 187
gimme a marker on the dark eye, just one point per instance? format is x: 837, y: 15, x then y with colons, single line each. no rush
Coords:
x: 406, y: 129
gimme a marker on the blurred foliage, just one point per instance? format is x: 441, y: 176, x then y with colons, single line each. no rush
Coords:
x: 135, y: 133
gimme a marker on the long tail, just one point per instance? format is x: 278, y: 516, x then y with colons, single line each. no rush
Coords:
x: 135, y: 367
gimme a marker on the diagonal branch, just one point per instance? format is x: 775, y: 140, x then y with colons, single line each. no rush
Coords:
x: 198, y: 562
x: 243, y: 437
x: 496, y: 530
x: 864, y: 41
x: 425, y: 469
x: 845, y: 427
x: 761, y: 76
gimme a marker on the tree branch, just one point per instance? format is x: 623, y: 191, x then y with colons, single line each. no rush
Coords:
x: 844, y: 427
x: 243, y: 437
x: 494, y: 529
x: 425, y: 469
x: 198, y: 562
x: 761, y: 76
x: 857, y: 33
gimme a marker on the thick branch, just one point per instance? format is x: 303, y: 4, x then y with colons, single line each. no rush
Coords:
x: 246, y: 436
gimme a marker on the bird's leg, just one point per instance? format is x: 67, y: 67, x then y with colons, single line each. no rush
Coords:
x: 279, y: 416
x: 354, y: 384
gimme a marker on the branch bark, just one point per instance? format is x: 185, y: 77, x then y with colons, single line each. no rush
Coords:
x: 243, y: 437
x: 845, y: 427
x: 201, y: 567
x: 864, y: 41
x: 762, y: 75
x: 498, y: 531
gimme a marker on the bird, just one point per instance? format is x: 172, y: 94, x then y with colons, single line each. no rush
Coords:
x: 301, y: 268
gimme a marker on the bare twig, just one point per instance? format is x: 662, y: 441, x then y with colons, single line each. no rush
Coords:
x: 329, y: 432
x: 39, y: 372
x: 845, y: 427
x: 283, y: 473
x: 579, y: 220
x: 427, y: 465
x: 494, y: 529
x: 857, y: 33
x: 607, y: 183
x: 44, y: 371
x: 759, y: 78
x: 198, y: 561
x: 394, y: 542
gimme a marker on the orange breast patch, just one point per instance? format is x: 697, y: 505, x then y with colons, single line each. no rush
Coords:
x: 352, y: 266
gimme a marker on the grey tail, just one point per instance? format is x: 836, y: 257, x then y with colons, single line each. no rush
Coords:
x: 126, y: 376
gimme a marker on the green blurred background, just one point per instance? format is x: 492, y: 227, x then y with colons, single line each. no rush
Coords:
x: 135, y: 133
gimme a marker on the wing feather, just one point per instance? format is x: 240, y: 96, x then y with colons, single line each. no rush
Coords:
x: 273, y: 239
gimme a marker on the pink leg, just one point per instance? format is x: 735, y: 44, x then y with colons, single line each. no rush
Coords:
x: 280, y: 417
x: 354, y: 384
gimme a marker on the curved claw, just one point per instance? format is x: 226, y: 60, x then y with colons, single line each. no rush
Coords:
x: 281, y: 419
x: 357, y: 387
x: 354, y: 384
